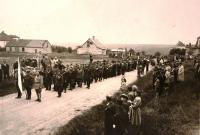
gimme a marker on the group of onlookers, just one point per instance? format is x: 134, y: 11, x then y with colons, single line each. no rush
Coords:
x: 165, y: 74
x: 123, y: 114
x: 197, y: 74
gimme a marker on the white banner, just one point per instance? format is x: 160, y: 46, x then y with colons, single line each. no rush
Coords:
x: 19, y: 76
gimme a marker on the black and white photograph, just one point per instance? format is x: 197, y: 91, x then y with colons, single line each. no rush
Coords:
x: 100, y: 67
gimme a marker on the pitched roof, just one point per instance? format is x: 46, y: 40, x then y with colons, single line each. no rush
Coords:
x: 13, y: 36
x: 27, y: 43
x: 180, y: 44
x: 4, y: 37
x: 96, y: 42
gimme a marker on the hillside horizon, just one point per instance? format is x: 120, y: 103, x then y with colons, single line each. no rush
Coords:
x: 148, y: 48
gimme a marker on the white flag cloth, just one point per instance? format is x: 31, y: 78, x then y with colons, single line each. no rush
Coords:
x: 19, y: 76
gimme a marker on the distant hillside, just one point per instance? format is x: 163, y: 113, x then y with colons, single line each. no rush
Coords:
x: 148, y: 48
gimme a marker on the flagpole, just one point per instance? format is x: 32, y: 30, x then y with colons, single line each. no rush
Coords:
x: 19, y: 77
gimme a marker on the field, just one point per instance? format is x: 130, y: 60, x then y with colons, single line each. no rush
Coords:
x: 176, y: 114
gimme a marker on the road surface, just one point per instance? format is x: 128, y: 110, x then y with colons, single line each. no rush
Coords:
x: 22, y: 117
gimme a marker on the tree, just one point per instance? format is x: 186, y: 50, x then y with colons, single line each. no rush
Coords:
x: 69, y: 49
x: 157, y: 54
x: 190, y: 52
x: 143, y: 52
x: 59, y: 49
x: 131, y: 51
x: 177, y: 51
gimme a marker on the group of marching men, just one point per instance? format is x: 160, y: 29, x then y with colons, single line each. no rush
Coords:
x: 52, y: 74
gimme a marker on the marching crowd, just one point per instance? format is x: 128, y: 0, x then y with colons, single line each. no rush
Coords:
x: 52, y: 74
x: 123, y: 114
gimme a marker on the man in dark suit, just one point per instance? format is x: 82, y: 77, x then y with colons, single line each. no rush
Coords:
x: 28, y: 83
x: 5, y: 69
x: 1, y: 75
x: 109, y: 117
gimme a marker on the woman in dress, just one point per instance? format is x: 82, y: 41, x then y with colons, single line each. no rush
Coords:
x: 181, y: 72
x: 134, y: 114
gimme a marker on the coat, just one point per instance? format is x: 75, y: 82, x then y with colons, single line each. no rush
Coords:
x: 135, y: 112
x: 181, y: 73
x: 38, y: 82
x: 28, y: 81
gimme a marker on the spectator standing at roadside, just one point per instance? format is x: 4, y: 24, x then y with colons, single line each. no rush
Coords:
x: 109, y: 116
x: 1, y: 73
x: 181, y: 73
x: 135, y: 113
x: 5, y: 68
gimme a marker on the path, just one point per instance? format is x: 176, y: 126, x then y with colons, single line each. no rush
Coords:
x: 22, y: 117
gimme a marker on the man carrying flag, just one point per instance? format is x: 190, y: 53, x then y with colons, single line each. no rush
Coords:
x: 18, y: 79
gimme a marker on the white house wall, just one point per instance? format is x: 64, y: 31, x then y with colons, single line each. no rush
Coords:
x: 3, y: 43
x: 92, y: 49
x: 33, y: 50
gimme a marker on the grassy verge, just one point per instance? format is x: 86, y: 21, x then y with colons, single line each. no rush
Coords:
x: 91, y: 121
x: 7, y: 87
x: 176, y: 114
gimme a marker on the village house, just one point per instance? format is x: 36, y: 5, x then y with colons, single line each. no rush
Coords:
x: 194, y: 49
x: 4, y: 39
x: 29, y: 46
x: 92, y: 46
x: 180, y: 45
x: 119, y: 52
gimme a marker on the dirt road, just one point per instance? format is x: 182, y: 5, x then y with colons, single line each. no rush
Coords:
x: 22, y: 117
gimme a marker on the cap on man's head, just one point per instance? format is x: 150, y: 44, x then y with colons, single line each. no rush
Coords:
x: 124, y: 96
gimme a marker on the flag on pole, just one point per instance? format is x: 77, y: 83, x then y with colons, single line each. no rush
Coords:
x: 19, y: 76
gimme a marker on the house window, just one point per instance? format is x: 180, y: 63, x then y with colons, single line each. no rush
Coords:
x: 23, y: 49
x: 13, y: 49
x: 10, y: 49
x: 35, y: 50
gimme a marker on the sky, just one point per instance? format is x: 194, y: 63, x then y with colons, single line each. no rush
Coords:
x: 111, y: 21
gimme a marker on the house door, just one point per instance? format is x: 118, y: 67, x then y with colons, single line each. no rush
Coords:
x: 35, y: 50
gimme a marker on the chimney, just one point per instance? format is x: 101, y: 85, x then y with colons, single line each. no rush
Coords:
x: 93, y: 37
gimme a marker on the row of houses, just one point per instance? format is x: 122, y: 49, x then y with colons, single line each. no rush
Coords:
x: 13, y: 43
